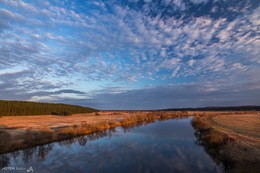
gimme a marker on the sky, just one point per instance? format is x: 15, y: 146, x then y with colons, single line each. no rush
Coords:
x: 131, y: 54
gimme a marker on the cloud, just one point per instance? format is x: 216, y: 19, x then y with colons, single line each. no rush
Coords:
x: 8, y: 15
x: 20, y: 5
x: 190, y: 95
x: 114, y: 43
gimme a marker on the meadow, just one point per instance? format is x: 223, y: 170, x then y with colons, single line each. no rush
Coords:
x: 231, y: 138
x: 17, y: 132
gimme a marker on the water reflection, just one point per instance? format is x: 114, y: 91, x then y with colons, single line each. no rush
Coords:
x: 163, y: 146
x: 224, y: 160
x: 4, y: 161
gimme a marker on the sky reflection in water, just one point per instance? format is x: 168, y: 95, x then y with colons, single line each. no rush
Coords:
x: 167, y: 146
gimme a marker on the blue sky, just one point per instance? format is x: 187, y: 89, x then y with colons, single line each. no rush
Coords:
x: 131, y: 54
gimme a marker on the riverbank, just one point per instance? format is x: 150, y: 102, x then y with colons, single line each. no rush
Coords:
x: 231, y: 139
x: 148, y: 146
x: 26, y: 131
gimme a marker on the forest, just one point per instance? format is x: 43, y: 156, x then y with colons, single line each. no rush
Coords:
x: 223, y: 108
x: 17, y: 108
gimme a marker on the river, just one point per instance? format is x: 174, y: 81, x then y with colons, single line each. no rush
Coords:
x: 161, y: 146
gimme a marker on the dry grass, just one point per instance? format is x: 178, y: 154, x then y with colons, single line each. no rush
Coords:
x: 34, y: 130
x: 233, y: 138
x: 44, y: 129
x: 215, y: 138
x: 200, y: 123
x: 5, y: 140
x: 244, y: 127
x: 210, y: 135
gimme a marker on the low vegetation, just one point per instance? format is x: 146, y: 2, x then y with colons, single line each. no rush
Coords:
x: 210, y: 135
x: 16, y: 108
x: 5, y: 141
x: 44, y: 134
x: 225, y: 147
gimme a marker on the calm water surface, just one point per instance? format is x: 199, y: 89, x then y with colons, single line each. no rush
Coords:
x: 162, y: 146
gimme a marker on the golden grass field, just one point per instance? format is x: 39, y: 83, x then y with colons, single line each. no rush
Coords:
x: 17, y: 132
x: 17, y: 126
x: 244, y: 127
x: 232, y: 138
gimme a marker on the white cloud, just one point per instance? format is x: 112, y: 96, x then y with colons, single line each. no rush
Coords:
x: 20, y: 5
x: 129, y: 44
x: 171, y: 63
x: 255, y: 17
x: 175, y: 72
x: 191, y: 62
x: 6, y: 14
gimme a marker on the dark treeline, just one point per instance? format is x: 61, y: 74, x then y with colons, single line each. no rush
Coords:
x: 227, y: 108
x: 15, y: 108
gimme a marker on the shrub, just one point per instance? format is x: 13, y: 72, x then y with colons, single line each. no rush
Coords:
x: 139, y: 117
x: 64, y: 113
x: 114, y: 123
x: 200, y: 123
x: 66, y: 132
x: 45, y: 134
x: 5, y: 140
x: 45, y: 129
x: 30, y: 137
x: 215, y: 138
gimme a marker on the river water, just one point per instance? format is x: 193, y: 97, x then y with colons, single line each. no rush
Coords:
x: 161, y: 146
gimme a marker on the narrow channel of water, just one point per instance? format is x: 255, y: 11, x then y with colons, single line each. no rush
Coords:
x: 162, y: 146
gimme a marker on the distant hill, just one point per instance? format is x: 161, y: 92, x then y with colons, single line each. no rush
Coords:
x: 227, y: 108
x: 16, y: 108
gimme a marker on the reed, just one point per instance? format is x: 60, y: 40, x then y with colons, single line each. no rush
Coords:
x: 45, y: 135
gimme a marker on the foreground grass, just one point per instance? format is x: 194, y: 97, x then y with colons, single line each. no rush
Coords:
x: 44, y: 135
x: 224, y: 147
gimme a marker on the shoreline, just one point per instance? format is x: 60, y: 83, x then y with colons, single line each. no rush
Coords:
x: 45, y: 135
x: 227, y: 149
x: 224, y: 147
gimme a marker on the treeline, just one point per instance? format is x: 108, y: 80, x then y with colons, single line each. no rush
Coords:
x: 227, y: 108
x: 16, y: 108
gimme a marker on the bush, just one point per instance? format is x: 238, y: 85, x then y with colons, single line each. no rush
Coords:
x: 64, y: 113
x: 5, y: 140
x: 215, y: 138
x: 200, y: 123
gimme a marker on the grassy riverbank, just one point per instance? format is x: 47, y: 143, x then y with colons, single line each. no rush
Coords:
x: 231, y: 139
x: 23, y: 132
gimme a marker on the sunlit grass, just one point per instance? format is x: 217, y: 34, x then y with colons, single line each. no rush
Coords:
x: 45, y: 134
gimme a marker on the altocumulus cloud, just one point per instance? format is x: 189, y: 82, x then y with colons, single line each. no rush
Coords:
x: 131, y: 54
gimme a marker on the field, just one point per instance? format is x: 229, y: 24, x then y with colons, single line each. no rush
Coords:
x: 18, y: 132
x: 16, y: 125
x: 244, y: 127
x: 231, y: 138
